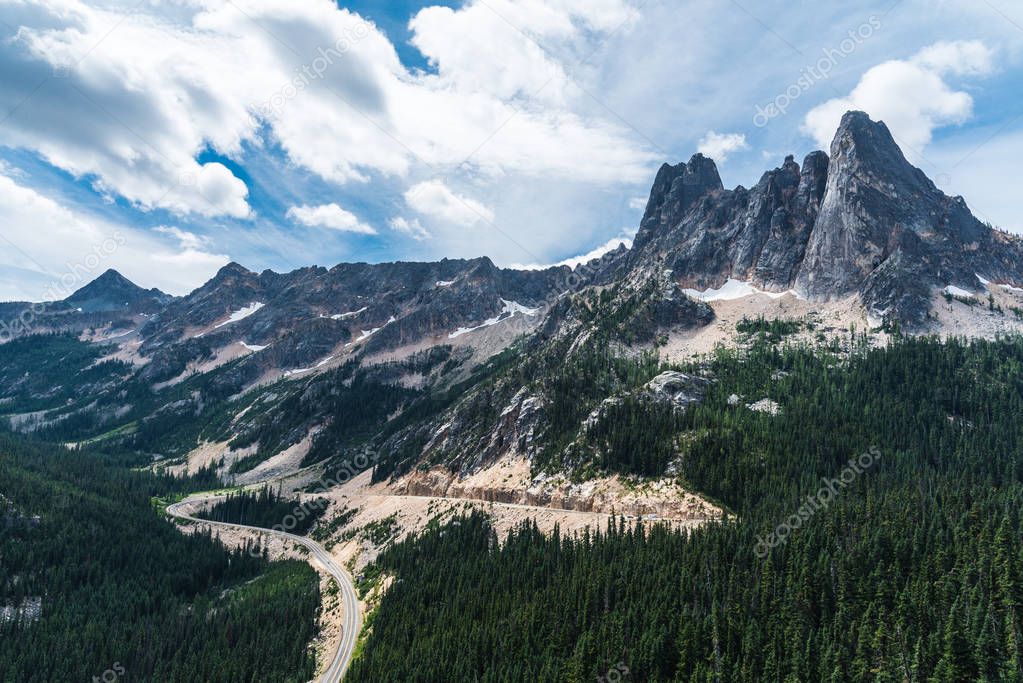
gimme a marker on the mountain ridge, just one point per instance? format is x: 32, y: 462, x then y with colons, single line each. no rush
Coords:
x: 857, y: 220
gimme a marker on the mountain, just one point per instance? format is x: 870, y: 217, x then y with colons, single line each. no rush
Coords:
x: 108, y: 304
x: 462, y: 364
x: 706, y: 234
x: 655, y: 383
x: 861, y: 221
x: 111, y: 291
x: 313, y: 318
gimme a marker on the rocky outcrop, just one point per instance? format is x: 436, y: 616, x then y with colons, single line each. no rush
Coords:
x: 675, y: 190
x: 888, y: 234
x: 676, y: 387
x: 863, y: 221
x: 508, y: 482
x: 705, y: 234
x: 478, y: 443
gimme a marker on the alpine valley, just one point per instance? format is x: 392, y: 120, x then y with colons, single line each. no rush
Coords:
x: 780, y: 438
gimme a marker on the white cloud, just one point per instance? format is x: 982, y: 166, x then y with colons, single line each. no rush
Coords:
x: 55, y: 250
x: 495, y: 46
x: 961, y: 57
x: 141, y: 92
x: 719, y: 146
x: 910, y: 96
x: 638, y: 203
x: 114, y: 98
x: 186, y: 239
x: 607, y: 247
x: 435, y: 199
x: 329, y: 216
x: 413, y: 228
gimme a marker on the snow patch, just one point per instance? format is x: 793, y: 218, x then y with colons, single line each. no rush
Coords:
x: 349, y: 314
x: 445, y: 283
x: 366, y: 334
x: 734, y: 289
x: 253, y: 347
x: 509, y: 311
x: 241, y: 314
x: 299, y: 371
x: 952, y: 290
x: 513, y: 307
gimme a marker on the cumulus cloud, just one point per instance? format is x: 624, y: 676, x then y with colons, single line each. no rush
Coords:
x: 911, y: 96
x: 413, y: 228
x: 51, y: 249
x: 435, y: 199
x: 508, y: 48
x: 719, y: 146
x: 963, y: 58
x: 132, y: 97
x: 329, y: 216
x: 130, y: 114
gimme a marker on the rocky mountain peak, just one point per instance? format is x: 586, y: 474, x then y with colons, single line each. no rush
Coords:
x: 886, y: 232
x: 676, y: 189
x: 861, y: 221
x: 869, y: 146
x: 112, y: 278
x: 111, y: 291
x: 233, y: 270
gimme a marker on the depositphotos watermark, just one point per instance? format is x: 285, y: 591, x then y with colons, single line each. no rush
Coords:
x: 110, y: 675
x: 314, y: 70
x: 816, y: 72
x: 75, y: 274
x: 348, y: 470
x: 817, y: 501
x: 617, y: 673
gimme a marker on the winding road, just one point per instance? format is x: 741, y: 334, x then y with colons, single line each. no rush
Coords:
x: 352, y: 616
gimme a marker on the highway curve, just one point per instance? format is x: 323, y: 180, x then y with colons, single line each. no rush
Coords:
x: 352, y: 617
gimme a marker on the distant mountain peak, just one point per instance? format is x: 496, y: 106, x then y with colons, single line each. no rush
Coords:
x: 233, y: 268
x: 112, y: 291
x: 112, y: 276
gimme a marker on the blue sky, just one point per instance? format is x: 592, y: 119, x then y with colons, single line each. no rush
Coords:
x: 166, y: 138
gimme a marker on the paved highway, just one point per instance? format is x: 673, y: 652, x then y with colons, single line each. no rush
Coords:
x: 352, y: 616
